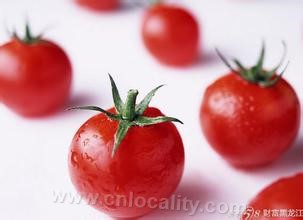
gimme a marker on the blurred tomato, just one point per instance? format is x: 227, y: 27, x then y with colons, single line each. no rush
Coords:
x: 171, y: 34
x: 35, y: 75
x: 282, y: 200
x: 99, y: 5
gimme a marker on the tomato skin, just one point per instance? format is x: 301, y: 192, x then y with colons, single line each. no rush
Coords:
x: 148, y: 163
x: 171, y: 34
x: 99, y: 5
x: 35, y: 79
x: 285, y: 193
x: 249, y: 125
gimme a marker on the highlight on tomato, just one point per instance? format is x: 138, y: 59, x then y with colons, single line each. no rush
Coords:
x: 171, y: 34
x: 129, y: 156
x: 280, y: 200
x: 250, y: 116
x: 35, y: 75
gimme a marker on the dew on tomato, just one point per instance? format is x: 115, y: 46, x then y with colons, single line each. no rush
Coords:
x: 144, y: 162
x: 250, y: 116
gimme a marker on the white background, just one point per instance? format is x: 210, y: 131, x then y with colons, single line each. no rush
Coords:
x: 33, y: 152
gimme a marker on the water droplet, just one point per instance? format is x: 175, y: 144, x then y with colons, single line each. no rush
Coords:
x: 85, y: 142
x: 89, y: 158
x: 74, y: 159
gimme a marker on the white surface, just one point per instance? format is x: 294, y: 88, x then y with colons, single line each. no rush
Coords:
x: 33, y: 161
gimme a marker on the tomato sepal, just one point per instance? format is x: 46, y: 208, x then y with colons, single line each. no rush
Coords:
x: 256, y: 74
x: 129, y: 113
x: 95, y: 108
x: 29, y: 37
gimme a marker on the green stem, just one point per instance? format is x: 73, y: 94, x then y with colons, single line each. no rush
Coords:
x: 129, y: 111
x: 256, y: 74
x: 129, y: 114
x: 28, y: 38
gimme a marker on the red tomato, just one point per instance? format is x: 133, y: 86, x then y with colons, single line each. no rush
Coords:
x: 250, y: 121
x: 148, y: 164
x: 99, y: 5
x: 35, y: 77
x: 284, y: 194
x: 171, y: 34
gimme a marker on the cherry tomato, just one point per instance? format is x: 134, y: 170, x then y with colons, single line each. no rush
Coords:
x: 99, y: 5
x: 171, y: 34
x: 250, y: 116
x: 283, y: 195
x: 143, y: 162
x: 35, y: 76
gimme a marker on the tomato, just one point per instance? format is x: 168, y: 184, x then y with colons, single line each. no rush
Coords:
x: 99, y: 5
x: 171, y: 34
x: 138, y: 156
x: 250, y: 116
x: 35, y: 76
x: 284, y: 194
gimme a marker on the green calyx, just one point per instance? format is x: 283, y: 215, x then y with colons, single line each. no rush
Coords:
x: 28, y: 38
x: 129, y: 113
x: 256, y: 74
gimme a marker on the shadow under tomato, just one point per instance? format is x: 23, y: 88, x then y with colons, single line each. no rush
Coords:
x: 80, y: 99
x: 203, y: 59
x: 207, y: 58
x: 195, y: 190
x: 290, y: 162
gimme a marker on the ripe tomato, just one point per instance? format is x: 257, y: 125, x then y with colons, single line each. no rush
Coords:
x: 147, y: 166
x: 284, y: 194
x: 171, y: 34
x: 99, y: 5
x: 250, y: 116
x: 35, y: 75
